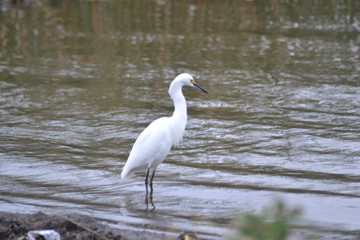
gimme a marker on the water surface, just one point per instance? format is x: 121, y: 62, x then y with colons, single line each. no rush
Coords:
x: 80, y: 80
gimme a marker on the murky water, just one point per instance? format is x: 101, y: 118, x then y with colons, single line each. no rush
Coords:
x: 80, y: 80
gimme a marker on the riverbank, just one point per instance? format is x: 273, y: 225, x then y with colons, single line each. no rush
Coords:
x: 15, y: 226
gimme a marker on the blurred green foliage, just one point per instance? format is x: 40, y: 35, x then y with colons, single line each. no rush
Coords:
x: 273, y: 223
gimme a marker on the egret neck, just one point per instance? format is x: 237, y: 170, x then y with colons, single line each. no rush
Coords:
x: 179, y: 116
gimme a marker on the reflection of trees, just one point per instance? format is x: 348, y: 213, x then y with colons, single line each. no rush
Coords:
x: 148, y: 31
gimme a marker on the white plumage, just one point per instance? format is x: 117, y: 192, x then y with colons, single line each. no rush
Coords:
x: 155, y: 142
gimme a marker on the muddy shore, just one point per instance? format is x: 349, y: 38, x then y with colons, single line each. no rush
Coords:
x: 15, y: 226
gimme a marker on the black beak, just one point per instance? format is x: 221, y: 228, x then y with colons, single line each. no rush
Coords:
x: 200, y: 88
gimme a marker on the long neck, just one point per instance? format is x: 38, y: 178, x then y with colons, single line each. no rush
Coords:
x: 180, y: 110
x: 179, y: 117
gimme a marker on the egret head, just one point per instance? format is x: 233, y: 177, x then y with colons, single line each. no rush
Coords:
x: 187, y: 80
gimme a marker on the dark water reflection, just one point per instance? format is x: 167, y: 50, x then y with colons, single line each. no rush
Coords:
x: 80, y: 80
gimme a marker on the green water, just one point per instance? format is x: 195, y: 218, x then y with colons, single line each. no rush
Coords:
x: 79, y: 81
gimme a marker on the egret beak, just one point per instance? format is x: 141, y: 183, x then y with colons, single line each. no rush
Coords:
x: 195, y: 85
x: 200, y: 88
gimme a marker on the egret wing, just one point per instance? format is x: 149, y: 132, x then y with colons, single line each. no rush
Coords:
x: 150, y: 148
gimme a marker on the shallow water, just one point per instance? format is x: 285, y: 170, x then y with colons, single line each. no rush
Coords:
x: 80, y: 80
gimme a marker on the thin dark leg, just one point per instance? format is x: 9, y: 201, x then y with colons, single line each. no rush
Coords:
x: 146, y: 180
x: 149, y: 197
x: 151, y: 182
x: 151, y: 190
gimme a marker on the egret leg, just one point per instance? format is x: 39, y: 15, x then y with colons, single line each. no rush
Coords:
x: 151, y: 190
x: 151, y: 181
x: 146, y: 181
x: 149, y: 197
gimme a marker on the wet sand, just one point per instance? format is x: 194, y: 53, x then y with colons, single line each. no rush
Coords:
x: 15, y: 226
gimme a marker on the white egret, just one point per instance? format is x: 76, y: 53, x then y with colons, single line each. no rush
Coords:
x: 155, y: 142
